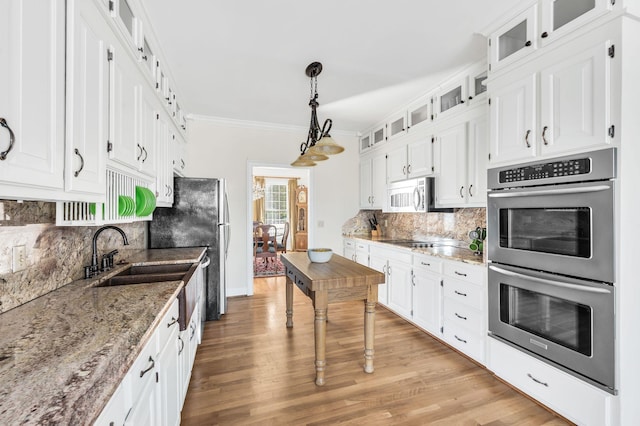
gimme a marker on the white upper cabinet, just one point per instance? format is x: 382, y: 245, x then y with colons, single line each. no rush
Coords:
x: 568, y: 110
x: 514, y: 40
x: 87, y: 100
x: 147, y: 138
x: 373, y: 181
x: 559, y: 17
x: 420, y: 111
x: 125, y: 95
x: 412, y: 159
x: 451, y: 182
x: 451, y: 98
x: 365, y: 142
x: 379, y: 134
x: 574, y: 96
x: 513, y: 120
x: 477, y: 89
x: 32, y: 70
x: 397, y: 125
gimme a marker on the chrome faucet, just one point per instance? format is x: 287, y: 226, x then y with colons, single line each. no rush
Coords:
x: 93, y: 270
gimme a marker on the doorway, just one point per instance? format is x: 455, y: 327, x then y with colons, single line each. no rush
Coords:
x: 279, y: 197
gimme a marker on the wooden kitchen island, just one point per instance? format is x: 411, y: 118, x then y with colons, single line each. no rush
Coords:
x: 338, y: 280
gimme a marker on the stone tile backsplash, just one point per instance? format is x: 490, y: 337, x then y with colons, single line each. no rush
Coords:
x: 55, y: 255
x: 418, y: 226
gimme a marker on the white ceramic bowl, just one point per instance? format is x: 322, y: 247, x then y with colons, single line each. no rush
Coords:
x: 319, y: 255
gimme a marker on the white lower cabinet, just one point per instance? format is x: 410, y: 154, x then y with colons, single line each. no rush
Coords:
x: 154, y: 388
x: 464, y: 305
x: 427, y: 293
x: 572, y: 398
x: 378, y: 261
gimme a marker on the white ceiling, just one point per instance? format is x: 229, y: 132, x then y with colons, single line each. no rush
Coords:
x: 245, y: 59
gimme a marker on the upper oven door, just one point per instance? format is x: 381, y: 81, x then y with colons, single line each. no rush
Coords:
x: 566, y: 229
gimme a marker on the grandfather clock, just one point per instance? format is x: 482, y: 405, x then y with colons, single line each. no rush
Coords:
x: 301, y: 214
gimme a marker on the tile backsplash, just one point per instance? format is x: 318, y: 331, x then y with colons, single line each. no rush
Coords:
x: 418, y: 226
x: 55, y: 255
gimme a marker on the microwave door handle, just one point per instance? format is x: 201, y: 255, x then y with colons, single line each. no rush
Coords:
x: 559, y: 191
x: 416, y: 198
x: 550, y: 282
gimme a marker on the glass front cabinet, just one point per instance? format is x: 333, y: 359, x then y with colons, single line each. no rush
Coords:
x: 514, y: 40
x: 559, y: 17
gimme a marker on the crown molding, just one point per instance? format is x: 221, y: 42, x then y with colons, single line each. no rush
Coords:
x: 233, y: 122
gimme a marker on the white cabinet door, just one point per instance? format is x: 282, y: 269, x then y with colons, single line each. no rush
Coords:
x: 400, y: 293
x: 32, y: 78
x: 514, y: 40
x: 147, y: 133
x: 397, y: 125
x: 164, y: 165
x: 379, y: 263
x: 477, y: 159
x: 366, y: 185
x: 451, y: 183
x: 349, y: 249
x: 397, y: 164
x: 179, y: 154
x: 145, y: 411
x: 87, y: 99
x: 560, y: 17
x: 379, y: 181
x: 420, y: 157
x: 574, y: 96
x: 170, y: 404
x: 126, y: 93
x: 513, y: 121
x: 427, y: 300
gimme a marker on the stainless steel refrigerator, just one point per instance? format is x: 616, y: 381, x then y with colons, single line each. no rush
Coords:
x: 199, y: 217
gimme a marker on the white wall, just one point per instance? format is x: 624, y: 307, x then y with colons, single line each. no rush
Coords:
x: 226, y: 150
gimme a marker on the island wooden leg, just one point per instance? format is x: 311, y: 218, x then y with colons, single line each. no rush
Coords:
x: 369, y: 327
x: 320, y: 332
x: 289, y: 291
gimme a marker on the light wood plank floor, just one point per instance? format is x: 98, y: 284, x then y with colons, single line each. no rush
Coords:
x: 251, y: 369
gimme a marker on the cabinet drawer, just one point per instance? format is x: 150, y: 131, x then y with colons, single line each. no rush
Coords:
x: 574, y: 399
x: 428, y: 263
x: 350, y: 244
x: 144, y: 367
x: 465, y: 340
x: 465, y: 272
x: 463, y: 292
x: 463, y: 316
x: 168, y: 324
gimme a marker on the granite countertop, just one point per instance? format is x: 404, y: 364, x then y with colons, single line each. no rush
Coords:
x: 451, y: 253
x: 63, y: 354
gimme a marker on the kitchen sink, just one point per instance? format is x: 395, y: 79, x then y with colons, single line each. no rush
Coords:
x: 145, y: 274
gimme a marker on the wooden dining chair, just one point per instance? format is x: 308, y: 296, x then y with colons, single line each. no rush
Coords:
x: 264, y: 243
x: 282, y: 245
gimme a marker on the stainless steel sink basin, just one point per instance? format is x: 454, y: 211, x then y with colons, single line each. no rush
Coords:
x: 145, y: 274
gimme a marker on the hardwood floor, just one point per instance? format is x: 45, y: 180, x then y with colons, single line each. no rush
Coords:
x: 251, y: 369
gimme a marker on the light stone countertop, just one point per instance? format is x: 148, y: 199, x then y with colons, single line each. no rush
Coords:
x: 451, y: 253
x: 63, y: 354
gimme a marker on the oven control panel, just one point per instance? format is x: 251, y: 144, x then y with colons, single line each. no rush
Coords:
x: 554, y: 169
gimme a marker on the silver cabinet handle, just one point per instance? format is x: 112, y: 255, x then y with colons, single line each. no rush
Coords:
x: 470, y: 194
x: 540, y: 382
x: 404, y: 170
x: 409, y: 169
x: 153, y: 364
x: 182, y: 347
x: 459, y: 339
x: 12, y: 139
x: 425, y: 263
x: 544, y: 132
x: 173, y: 321
x: 77, y: 172
x: 459, y: 273
x: 461, y: 188
x: 460, y: 316
x: 145, y: 154
x: 139, y: 155
x: 526, y: 138
x: 459, y: 293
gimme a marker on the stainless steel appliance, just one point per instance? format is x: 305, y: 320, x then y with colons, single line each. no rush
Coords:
x: 199, y: 217
x: 551, y: 253
x: 412, y: 196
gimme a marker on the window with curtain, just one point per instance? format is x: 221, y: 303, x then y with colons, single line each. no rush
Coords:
x: 276, y: 209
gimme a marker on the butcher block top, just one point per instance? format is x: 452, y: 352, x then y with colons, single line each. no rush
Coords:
x: 338, y: 272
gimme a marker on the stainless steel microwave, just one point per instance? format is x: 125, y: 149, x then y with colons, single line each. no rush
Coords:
x: 412, y: 196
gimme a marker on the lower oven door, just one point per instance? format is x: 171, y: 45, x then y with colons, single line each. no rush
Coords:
x: 566, y: 321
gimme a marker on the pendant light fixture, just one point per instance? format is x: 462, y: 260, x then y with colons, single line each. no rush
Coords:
x: 319, y: 142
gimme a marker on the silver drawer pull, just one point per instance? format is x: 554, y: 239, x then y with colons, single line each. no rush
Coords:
x: 459, y: 273
x: 460, y: 294
x: 425, y: 263
x: 460, y: 316
x: 537, y: 381
x: 459, y: 339
x: 181, y: 347
x: 153, y: 364
x: 173, y: 321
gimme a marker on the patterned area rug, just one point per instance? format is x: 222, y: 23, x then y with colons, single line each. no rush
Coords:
x: 268, y: 269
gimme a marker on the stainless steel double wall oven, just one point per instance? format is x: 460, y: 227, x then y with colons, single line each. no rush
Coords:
x: 552, y: 270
